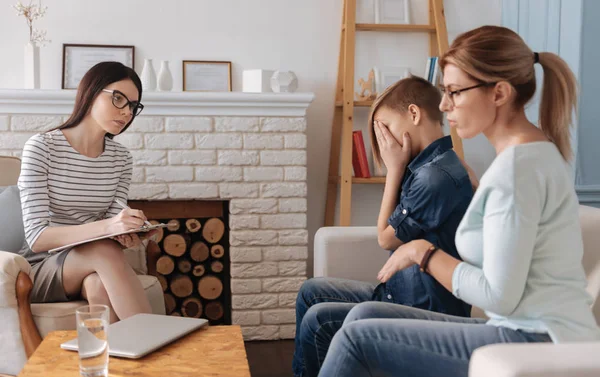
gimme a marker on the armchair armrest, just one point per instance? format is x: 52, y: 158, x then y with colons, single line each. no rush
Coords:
x: 18, y: 332
x: 536, y: 360
x: 348, y: 252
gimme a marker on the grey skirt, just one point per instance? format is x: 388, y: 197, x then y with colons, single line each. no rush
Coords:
x: 48, y: 278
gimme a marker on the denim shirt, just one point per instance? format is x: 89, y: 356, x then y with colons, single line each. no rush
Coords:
x: 435, y: 194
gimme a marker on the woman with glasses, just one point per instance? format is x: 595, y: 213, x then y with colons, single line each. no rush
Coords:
x: 520, y: 239
x: 73, y: 179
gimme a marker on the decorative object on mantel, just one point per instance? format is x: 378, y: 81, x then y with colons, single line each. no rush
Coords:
x: 284, y: 81
x: 392, y: 12
x: 165, y: 79
x: 79, y: 58
x: 37, y: 38
x: 206, y: 76
x: 148, y: 76
x: 367, y: 93
x: 256, y: 80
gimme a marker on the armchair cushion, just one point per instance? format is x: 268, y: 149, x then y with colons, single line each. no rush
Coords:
x: 11, y: 222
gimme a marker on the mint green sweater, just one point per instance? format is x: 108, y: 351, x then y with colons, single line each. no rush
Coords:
x: 521, y: 243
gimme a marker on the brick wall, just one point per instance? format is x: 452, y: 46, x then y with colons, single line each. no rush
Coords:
x: 259, y: 164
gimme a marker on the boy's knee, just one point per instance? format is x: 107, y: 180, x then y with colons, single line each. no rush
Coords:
x: 310, y: 321
x: 308, y: 290
x: 314, y: 319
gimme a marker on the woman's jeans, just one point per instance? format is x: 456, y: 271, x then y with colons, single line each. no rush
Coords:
x: 383, y: 339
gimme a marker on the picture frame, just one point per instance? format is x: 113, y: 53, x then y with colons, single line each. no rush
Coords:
x: 206, y: 76
x: 386, y: 76
x: 392, y: 11
x: 77, y: 59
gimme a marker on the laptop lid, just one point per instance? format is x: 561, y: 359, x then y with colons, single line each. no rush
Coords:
x: 141, y: 334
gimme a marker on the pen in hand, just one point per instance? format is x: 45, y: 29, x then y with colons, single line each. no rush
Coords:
x: 125, y: 206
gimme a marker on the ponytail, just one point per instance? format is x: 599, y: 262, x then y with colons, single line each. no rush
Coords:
x: 559, y: 100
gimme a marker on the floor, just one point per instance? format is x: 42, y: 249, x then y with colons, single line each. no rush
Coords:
x: 270, y: 358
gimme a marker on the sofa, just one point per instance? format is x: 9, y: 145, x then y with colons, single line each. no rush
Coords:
x: 353, y: 253
x: 23, y: 325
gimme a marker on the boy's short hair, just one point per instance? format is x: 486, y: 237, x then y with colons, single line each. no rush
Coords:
x: 412, y: 90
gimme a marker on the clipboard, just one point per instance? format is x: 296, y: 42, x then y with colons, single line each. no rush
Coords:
x: 143, y: 229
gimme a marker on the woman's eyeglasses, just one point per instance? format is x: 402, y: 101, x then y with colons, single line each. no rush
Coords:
x: 120, y: 100
x: 453, y: 93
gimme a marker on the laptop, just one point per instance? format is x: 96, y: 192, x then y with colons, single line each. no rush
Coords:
x: 141, y: 334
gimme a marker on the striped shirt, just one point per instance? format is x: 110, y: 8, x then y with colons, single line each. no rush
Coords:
x: 61, y: 187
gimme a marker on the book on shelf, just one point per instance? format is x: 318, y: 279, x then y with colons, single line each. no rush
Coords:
x: 360, y: 164
x: 432, y: 70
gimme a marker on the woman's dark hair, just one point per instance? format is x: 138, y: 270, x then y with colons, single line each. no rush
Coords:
x: 97, y: 78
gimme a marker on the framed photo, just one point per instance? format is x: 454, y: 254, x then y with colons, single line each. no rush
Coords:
x: 386, y: 76
x: 206, y: 76
x: 79, y: 58
x: 392, y: 12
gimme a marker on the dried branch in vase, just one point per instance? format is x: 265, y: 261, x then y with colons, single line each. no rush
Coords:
x: 31, y: 13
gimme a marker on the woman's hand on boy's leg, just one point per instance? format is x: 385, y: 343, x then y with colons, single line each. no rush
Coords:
x: 402, y: 258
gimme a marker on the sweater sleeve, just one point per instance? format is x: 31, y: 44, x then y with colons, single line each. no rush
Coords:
x: 33, y: 188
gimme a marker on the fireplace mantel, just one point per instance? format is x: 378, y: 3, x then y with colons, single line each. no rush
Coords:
x: 30, y: 101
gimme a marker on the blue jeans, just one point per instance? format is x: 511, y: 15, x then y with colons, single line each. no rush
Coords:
x: 343, y: 294
x: 383, y: 339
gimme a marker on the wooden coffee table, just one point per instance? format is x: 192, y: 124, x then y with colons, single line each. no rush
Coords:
x: 210, y: 351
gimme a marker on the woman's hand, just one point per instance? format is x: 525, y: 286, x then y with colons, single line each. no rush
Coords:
x: 394, y: 155
x: 126, y: 220
x: 133, y: 239
x: 405, y: 256
x: 128, y: 240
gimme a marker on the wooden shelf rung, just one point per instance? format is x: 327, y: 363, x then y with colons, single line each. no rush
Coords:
x: 396, y: 27
x: 356, y: 103
x: 372, y: 180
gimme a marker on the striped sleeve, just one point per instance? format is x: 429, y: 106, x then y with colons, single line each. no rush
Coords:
x: 122, y: 192
x: 33, y: 188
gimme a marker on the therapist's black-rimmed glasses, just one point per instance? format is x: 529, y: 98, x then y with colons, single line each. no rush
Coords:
x: 120, y: 100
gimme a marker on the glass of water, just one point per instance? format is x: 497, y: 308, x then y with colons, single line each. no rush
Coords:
x: 92, y: 339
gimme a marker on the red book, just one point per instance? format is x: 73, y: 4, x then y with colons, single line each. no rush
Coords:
x: 361, y: 154
x: 355, y: 164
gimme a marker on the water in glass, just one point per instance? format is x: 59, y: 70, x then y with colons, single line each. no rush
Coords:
x: 92, y: 338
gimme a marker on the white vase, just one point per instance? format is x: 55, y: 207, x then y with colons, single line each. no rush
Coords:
x: 284, y: 81
x: 148, y: 76
x: 32, y: 66
x: 165, y: 79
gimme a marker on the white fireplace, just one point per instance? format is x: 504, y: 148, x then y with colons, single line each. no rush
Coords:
x: 249, y: 149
